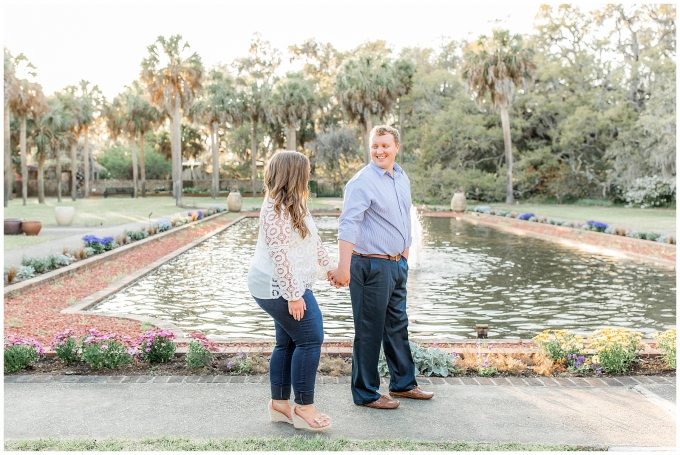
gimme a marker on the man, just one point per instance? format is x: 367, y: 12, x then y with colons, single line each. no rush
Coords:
x: 374, y: 237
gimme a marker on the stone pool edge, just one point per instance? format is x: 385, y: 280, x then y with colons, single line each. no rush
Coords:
x: 99, y: 258
x: 613, y: 245
x: 81, y: 306
x: 517, y: 227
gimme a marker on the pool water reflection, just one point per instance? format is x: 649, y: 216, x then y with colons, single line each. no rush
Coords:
x: 468, y: 274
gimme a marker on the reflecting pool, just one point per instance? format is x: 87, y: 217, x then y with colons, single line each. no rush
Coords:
x: 465, y: 275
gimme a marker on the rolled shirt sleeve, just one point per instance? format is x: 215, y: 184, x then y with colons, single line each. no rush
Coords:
x: 356, y: 202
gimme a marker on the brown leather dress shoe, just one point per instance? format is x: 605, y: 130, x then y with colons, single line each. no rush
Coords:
x: 384, y: 402
x: 416, y: 393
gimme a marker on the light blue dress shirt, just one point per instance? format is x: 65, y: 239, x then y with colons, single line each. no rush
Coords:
x: 376, y: 215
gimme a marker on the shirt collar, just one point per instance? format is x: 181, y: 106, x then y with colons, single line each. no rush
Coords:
x: 381, y: 171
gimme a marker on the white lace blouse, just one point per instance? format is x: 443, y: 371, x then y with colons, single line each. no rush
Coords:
x: 285, y: 264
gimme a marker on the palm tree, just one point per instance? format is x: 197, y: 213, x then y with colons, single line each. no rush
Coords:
x: 365, y: 86
x: 73, y: 105
x: 218, y: 105
x: 292, y: 100
x: 61, y: 119
x: 50, y: 132
x: 29, y: 102
x: 11, y: 88
x: 172, y: 85
x: 116, y: 117
x: 90, y: 100
x: 254, y: 80
x: 142, y: 116
x: 495, y: 66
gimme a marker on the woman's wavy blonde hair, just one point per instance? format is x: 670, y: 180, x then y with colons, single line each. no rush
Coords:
x: 285, y: 179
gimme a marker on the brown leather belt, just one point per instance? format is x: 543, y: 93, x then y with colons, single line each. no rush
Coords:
x: 379, y: 256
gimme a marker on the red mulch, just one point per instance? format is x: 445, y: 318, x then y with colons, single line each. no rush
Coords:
x: 36, y: 312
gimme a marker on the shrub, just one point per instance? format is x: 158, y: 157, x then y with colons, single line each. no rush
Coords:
x: 156, y: 346
x: 644, y: 235
x: 25, y: 272
x: 428, y: 361
x: 201, y: 352
x: 98, y: 245
x: 110, y: 350
x: 666, y: 344
x: 217, y: 208
x: 20, y: 353
x: 163, y: 225
x: 559, y: 344
x: 650, y: 192
x: 482, y: 209
x: 596, y: 226
x: 66, y: 347
x: 137, y: 235
x: 10, y: 274
x: 615, y: 349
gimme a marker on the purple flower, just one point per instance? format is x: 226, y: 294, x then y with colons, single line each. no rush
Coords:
x: 525, y: 216
x: 229, y: 365
x: 147, y: 350
x: 105, y: 346
x: 597, y: 225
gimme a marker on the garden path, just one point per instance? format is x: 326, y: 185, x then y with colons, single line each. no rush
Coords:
x: 620, y: 418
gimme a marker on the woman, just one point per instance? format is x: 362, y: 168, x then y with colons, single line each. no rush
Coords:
x: 280, y: 279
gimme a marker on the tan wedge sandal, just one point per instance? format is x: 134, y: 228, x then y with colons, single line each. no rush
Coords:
x: 276, y: 415
x: 323, y: 421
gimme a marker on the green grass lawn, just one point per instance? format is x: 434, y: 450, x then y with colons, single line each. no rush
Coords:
x: 296, y: 443
x: 98, y: 211
x: 652, y: 220
x: 655, y: 220
x: 12, y: 242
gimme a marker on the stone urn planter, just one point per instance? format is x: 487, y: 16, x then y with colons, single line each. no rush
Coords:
x: 64, y: 215
x: 234, y: 200
x: 458, y: 202
x: 31, y: 227
x: 12, y: 226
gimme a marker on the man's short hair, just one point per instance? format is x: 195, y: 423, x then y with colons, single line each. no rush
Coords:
x: 381, y: 130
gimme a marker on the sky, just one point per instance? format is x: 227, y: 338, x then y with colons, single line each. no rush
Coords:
x: 104, y: 42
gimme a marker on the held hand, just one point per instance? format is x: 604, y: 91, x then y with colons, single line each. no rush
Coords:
x: 297, y: 308
x: 339, y: 278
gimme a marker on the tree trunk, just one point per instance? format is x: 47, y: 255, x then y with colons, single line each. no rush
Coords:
x: 86, y: 161
x: 135, y: 180
x: 367, y: 126
x: 142, y: 164
x: 253, y: 150
x: 74, y: 170
x: 402, y: 149
x: 505, y: 120
x: 8, y: 157
x: 290, y: 137
x: 215, y: 163
x: 41, y: 179
x: 176, y: 147
x: 24, y: 166
x: 57, y: 159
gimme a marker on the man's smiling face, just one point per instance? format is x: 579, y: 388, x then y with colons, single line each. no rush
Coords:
x: 384, y: 151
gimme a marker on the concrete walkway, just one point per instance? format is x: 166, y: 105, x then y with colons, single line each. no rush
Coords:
x: 620, y: 418
x: 71, y: 237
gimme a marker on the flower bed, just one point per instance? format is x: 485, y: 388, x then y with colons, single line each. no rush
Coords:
x: 35, y: 310
x: 92, y: 245
x: 591, y: 225
x: 610, y: 352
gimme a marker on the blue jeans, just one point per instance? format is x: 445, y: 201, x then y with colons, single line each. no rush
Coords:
x: 295, y: 358
x: 378, y: 291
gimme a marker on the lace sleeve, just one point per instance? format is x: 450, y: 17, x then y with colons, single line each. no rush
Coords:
x: 277, y: 234
x: 322, y: 256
